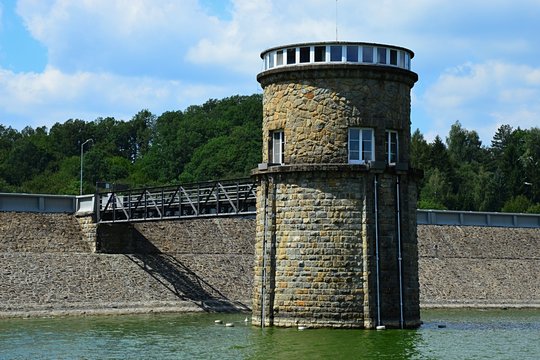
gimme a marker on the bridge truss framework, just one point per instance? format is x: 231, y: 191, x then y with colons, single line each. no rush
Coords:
x: 208, y: 199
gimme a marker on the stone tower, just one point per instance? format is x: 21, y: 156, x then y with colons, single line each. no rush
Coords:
x: 336, y: 215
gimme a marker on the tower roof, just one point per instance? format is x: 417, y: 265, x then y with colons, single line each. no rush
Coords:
x: 337, y: 52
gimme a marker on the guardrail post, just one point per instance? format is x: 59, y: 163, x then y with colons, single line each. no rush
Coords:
x: 129, y: 205
x: 97, y: 206
x: 179, y: 203
x: 145, y: 204
x: 113, y: 198
x: 162, y: 203
x: 198, y: 199
x: 217, y: 198
x: 237, y: 197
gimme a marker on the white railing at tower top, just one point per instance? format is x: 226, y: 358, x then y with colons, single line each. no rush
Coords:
x: 337, y: 53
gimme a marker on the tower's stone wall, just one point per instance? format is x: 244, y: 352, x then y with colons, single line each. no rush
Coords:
x: 316, y: 106
x: 316, y: 226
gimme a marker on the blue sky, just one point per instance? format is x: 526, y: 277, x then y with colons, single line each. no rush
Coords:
x: 478, y: 61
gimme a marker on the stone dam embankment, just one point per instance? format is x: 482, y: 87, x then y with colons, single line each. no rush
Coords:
x: 55, y: 264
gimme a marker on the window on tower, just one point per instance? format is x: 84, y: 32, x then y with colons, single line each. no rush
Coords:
x: 271, y: 60
x: 391, y: 146
x: 367, y: 54
x: 276, y: 147
x: 304, y: 54
x: 361, y: 145
x: 291, y: 56
x: 336, y: 53
x: 393, y: 57
x: 381, y: 55
x: 352, y: 53
x: 279, y: 57
x: 320, y: 53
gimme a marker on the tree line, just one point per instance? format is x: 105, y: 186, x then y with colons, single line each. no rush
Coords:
x: 462, y: 174
x: 222, y: 139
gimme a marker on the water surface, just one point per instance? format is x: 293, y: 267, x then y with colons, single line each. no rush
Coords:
x: 446, y: 334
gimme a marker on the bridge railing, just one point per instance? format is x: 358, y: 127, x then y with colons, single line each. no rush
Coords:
x: 475, y: 218
x: 219, y: 198
x: 216, y: 198
x: 45, y: 203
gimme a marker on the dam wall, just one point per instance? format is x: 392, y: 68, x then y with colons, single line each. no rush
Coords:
x: 64, y: 264
x: 49, y: 267
x: 478, y: 266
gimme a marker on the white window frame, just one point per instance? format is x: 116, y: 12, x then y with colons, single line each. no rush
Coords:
x: 277, y: 147
x: 364, y: 138
x: 391, y: 138
x: 281, y: 57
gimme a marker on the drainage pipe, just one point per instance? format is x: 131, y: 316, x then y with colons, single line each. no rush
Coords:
x: 375, y: 187
x: 400, y: 259
x: 263, y: 275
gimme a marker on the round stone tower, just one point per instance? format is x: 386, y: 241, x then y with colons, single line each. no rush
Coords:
x: 336, y: 215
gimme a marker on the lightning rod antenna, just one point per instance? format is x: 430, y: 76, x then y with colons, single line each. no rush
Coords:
x: 336, y: 21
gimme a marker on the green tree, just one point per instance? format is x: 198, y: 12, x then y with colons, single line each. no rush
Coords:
x: 463, y: 145
x: 229, y: 156
x: 517, y: 204
x: 530, y: 161
x: 420, y: 151
x: 25, y: 160
x: 439, y: 157
x: 436, y: 191
x: 507, y: 162
x: 63, y: 179
x: 161, y: 164
x: 66, y: 138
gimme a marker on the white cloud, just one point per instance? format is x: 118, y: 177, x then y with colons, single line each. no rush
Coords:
x: 53, y: 96
x: 484, y: 96
x: 155, y: 37
x: 114, y: 57
x: 127, y: 37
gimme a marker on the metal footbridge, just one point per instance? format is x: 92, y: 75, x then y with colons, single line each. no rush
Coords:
x: 227, y: 198
x: 208, y: 199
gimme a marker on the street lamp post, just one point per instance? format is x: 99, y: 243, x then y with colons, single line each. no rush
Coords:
x: 82, y: 155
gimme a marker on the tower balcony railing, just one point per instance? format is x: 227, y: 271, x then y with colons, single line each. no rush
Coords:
x: 337, y: 53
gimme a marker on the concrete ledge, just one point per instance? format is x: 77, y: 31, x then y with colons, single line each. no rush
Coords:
x: 479, y: 305
x: 87, y: 309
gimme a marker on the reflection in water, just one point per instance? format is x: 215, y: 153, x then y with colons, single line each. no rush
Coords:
x: 272, y: 343
x: 458, y: 334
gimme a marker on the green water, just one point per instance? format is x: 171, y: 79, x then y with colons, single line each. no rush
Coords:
x: 457, y: 334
